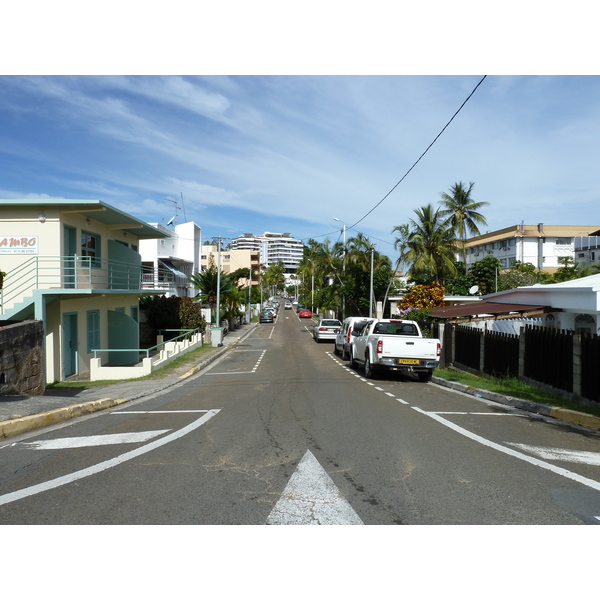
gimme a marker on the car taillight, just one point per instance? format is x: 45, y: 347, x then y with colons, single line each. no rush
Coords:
x: 379, y: 346
x: 322, y: 328
x: 439, y: 349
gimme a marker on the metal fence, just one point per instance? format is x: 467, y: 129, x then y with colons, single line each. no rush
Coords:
x: 561, y: 360
x: 590, y: 366
x: 549, y: 356
x: 501, y: 354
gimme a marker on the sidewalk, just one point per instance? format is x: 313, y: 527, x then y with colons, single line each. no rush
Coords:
x: 19, y: 414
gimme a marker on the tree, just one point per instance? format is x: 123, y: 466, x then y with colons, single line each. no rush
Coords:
x: 208, y: 283
x: 401, y: 243
x: 520, y: 274
x: 462, y: 214
x: 432, y: 246
x: 485, y: 274
x: 323, y: 264
x: 423, y: 296
x: 274, y: 276
x: 190, y: 315
x: 570, y: 270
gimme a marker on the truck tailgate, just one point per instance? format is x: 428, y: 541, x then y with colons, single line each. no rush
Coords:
x: 406, y: 348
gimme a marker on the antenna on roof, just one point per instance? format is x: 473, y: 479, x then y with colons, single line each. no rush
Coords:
x: 183, y: 206
x: 172, y: 220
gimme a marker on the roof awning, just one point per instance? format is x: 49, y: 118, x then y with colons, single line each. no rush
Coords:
x: 171, y: 268
x: 483, y: 308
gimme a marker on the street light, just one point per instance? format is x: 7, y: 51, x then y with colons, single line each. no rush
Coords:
x: 343, y: 267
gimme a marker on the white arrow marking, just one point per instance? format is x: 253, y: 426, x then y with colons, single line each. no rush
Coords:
x: 311, y: 498
x: 107, y: 464
x: 530, y: 459
x: 94, y: 440
x: 587, y: 458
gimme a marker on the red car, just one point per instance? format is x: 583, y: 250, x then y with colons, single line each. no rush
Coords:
x: 305, y: 313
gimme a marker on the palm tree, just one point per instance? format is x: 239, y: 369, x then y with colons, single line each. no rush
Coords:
x: 432, y: 246
x: 401, y: 243
x: 358, y: 251
x: 462, y: 214
x: 206, y: 282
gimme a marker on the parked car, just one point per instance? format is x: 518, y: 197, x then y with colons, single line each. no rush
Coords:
x: 397, y: 345
x: 267, y: 316
x: 326, y: 329
x: 305, y: 313
x: 351, y: 327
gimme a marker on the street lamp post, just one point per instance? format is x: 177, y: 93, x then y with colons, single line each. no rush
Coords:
x: 343, y: 266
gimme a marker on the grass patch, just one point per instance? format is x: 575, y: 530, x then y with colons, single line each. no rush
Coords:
x: 514, y: 388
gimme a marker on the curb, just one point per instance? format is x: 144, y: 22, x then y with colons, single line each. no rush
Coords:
x: 562, y: 414
x: 30, y: 422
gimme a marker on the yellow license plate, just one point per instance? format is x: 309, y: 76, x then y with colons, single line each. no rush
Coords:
x: 408, y: 361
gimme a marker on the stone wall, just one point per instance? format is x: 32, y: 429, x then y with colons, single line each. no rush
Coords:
x: 22, y: 358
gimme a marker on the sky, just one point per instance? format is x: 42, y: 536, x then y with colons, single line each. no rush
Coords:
x: 249, y: 154
x: 249, y: 145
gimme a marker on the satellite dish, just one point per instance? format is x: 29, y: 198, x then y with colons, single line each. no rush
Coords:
x: 170, y: 221
x: 474, y: 289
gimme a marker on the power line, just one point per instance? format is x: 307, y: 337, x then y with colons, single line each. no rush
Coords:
x: 424, y: 153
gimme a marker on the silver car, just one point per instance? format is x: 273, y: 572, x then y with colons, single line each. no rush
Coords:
x: 345, y: 338
x: 326, y: 329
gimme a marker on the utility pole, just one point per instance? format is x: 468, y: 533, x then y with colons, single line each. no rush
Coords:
x: 343, y: 268
x: 371, y: 295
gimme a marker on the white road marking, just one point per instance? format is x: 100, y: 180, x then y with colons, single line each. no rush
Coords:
x: 154, y: 412
x: 402, y: 401
x: 534, y: 461
x: 587, y: 458
x: 94, y: 440
x: 107, y: 464
x: 258, y: 361
x: 486, y: 414
x: 311, y: 498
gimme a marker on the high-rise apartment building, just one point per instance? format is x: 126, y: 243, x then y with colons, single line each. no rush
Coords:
x: 273, y: 248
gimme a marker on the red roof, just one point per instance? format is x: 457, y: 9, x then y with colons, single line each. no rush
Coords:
x: 481, y: 308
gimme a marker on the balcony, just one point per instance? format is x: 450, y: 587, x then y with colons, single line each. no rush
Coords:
x: 65, y: 274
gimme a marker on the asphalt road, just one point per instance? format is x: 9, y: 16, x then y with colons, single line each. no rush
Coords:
x: 281, y: 431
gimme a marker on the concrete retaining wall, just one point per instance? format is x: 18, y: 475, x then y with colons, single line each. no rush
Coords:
x: 22, y: 358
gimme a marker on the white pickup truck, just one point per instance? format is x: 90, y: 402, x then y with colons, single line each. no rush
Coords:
x: 395, y: 345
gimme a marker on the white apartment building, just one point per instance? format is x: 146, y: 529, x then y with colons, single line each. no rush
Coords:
x: 587, y: 249
x: 541, y: 245
x: 273, y: 248
x: 177, y: 254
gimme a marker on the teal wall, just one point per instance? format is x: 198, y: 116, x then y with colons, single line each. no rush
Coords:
x: 126, y: 273
x: 123, y: 332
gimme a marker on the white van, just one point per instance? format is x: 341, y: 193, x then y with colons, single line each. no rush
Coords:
x: 345, y: 339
